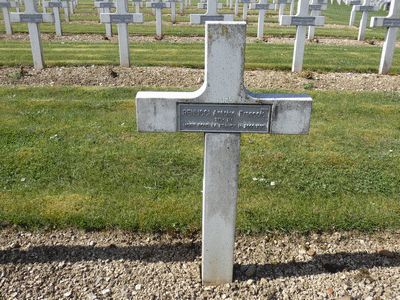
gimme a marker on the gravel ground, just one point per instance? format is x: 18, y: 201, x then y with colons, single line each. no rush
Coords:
x: 73, y: 264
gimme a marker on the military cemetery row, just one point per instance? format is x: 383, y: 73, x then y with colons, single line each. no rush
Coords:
x: 308, y: 16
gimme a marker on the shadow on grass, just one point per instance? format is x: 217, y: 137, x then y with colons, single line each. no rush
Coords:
x: 181, y: 252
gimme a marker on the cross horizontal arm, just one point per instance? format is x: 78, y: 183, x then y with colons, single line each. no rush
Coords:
x: 290, y: 114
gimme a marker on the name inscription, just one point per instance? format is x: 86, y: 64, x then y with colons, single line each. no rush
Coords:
x: 203, y: 19
x: 223, y: 117
x: 303, y: 21
x: 391, y: 23
x: 121, y: 18
x: 31, y: 18
x: 158, y: 5
x: 54, y: 4
x: 263, y: 6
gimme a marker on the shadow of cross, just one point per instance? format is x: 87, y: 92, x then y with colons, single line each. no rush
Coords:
x: 222, y: 108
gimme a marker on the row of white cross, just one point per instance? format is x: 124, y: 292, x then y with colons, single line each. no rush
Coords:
x: 122, y: 17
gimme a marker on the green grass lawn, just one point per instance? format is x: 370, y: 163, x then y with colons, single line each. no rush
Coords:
x: 258, y: 56
x: 72, y: 157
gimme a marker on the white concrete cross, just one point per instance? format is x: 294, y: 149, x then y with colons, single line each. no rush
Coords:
x: 222, y: 108
x: 56, y: 5
x: 158, y: 6
x: 210, y: 15
x: 66, y: 10
x: 203, y: 5
x: 33, y: 18
x: 392, y: 22
x: 365, y: 8
x: 246, y: 6
x: 282, y: 4
x: 262, y: 6
x: 173, y: 8
x: 353, y: 11
x: 5, y: 6
x: 316, y: 6
x: 104, y: 6
x: 302, y: 19
x: 137, y: 4
x: 122, y: 17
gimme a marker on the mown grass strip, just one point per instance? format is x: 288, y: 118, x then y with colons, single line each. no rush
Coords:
x: 71, y: 156
x: 260, y: 56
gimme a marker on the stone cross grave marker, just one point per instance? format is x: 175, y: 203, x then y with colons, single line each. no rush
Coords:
x: 353, y: 11
x: 392, y: 22
x: 316, y: 6
x: 56, y: 5
x: 366, y: 7
x: 66, y: 10
x: 222, y: 108
x: 104, y: 7
x: 210, y: 15
x: 173, y: 8
x: 137, y: 4
x: 33, y: 18
x: 203, y: 5
x: 122, y: 17
x: 158, y: 6
x: 302, y: 19
x: 262, y: 6
x: 246, y: 4
x: 5, y: 6
x: 282, y: 5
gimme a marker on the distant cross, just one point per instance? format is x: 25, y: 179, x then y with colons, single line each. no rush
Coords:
x: 122, y: 17
x: 366, y: 7
x: 56, y: 5
x: 316, y: 6
x: 104, y: 6
x: 392, y: 22
x: 302, y: 19
x: 353, y: 10
x: 66, y: 10
x: 222, y: 108
x: 262, y: 6
x: 282, y: 4
x: 173, y: 8
x: 33, y: 18
x: 5, y: 6
x: 210, y: 15
x: 137, y: 4
x: 245, y: 7
x: 158, y: 6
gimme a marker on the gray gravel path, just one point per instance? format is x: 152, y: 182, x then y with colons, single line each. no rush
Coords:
x: 74, y: 264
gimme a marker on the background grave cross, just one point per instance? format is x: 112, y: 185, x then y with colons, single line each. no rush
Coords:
x: 316, y: 6
x: 56, y: 5
x: 5, y: 6
x: 262, y: 6
x: 302, y: 19
x: 210, y: 15
x: 222, y: 108
x: 366, y: 7
x: 33, y: 18
x: 122, y: 17
x: 104, y: 6
x: 158, y: 6
x: 392, y: 22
